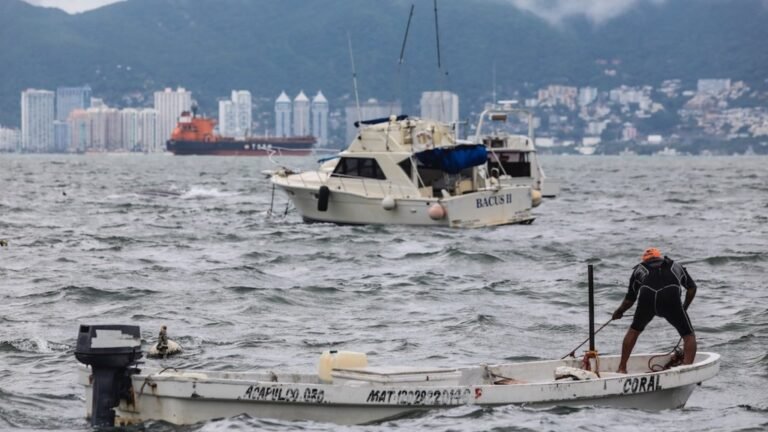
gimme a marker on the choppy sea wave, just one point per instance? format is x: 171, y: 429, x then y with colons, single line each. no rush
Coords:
x: 199, y: 245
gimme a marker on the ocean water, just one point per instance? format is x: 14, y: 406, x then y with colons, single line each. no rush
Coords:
x: 191, y: 243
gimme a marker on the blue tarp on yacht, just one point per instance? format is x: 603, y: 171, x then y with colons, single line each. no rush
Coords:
x: 453, y: 159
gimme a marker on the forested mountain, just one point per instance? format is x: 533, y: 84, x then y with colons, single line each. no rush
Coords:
x: 212, y: 46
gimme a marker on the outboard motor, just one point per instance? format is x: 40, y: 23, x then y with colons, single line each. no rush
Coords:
x: 111, y: 351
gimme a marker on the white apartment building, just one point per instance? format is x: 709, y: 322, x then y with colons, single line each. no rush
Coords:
x: 9, y: 139
x: 587, y: 95
x: 713, y: 86
x: 227, y: 118
x: 320, y: 119
x: 80, y: 131
x: 301, y: 107
x: 243, y: 107
x: 370, y: 109
x: 61, y: 136
x: 442, y: 106
x: 129, y: 121
x: 149, y: 138
x: 169, y: 105
x: 37, y: 114
x: 283, y: 115
x: 69, y: 99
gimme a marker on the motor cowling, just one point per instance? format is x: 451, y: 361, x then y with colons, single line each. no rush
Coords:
x: 112, y: 352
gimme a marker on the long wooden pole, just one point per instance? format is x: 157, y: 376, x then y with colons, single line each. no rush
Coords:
x: 591, y: 308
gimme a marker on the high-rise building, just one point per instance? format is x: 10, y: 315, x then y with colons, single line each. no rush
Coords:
x: 370, y: 109
x: 95, y: 130
x: 713, y: 86
x: 227, y: 118
x: 37, y: 114
x: 61, y: 136
x: 149, y: 140
x: 442, y: 106
x: 129, y: 119
x: 587, y: 95
x: 283, y: 115
x: 69, y: 99
x: 301, y: 115
x: 9, y: 139
x: 320, y: 119
x: 169, y: 105
x: 241, y: 99
x: 80, y: 131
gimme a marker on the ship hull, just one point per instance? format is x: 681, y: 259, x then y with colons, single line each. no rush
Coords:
x: 260, y: 147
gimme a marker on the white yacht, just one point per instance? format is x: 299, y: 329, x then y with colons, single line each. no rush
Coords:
x: 411, y: 171
x: 512, y: 157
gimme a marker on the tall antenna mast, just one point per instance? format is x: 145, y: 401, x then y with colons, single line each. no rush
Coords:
x: 494, y: 82
x: 440, y: 93
x: 405, y: 38
x: 437, y: 37
x: 400, y: 61
x: 354, y: 78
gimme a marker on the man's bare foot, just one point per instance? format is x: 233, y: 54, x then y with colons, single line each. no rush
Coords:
x: 622, y: 371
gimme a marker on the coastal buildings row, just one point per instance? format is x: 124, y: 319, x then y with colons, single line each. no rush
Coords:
x: 583, y: 119
x: 302, y: 117
x: 71, y: 120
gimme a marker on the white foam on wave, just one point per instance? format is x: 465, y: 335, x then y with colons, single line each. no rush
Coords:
x: 203, y: 192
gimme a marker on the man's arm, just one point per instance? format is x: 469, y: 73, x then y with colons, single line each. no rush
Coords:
x: 629, y: 299
x: 625, y: 305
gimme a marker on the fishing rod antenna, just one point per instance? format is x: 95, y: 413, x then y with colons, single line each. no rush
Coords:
x: 354, y: 78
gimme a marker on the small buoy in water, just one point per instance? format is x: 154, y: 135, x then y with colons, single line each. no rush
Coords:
x: 164, y: 346
x: 436, y: 211
x: 3, y: 243
x: 388, y: 203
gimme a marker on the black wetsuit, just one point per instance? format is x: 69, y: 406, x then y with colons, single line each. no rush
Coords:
x: 657, y: 286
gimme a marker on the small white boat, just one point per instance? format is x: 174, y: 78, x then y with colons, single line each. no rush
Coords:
x: 512, y: 158
x: 346, y: 390
x: 408, y: 171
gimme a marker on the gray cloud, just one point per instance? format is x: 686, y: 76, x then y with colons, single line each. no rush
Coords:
x: 597, y: 11
x: 72, y: 6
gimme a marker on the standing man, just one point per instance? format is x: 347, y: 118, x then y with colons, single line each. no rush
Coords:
x: 657, y: 283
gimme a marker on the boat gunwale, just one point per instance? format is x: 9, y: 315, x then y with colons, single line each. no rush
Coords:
x: 159, y: 376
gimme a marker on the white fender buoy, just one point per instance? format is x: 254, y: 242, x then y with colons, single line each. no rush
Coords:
x: 173, y: 348
x: 535, y: 197
x: 436, y: 211
x: 388, y: 203
x: 164, y: 346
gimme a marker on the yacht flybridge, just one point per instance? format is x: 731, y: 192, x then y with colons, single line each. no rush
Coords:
x: 512, y: 156
x: 410, y: 171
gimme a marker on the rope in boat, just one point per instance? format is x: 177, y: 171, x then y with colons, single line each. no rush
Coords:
x: 675, y: 359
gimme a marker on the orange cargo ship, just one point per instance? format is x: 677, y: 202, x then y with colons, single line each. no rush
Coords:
x: 195, y: 136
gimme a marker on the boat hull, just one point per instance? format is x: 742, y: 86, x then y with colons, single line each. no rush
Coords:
x: 191, y: 397
x: 248, y: 147
x: 507, y: 205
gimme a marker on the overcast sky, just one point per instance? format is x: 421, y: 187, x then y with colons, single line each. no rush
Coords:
x: 596, y: 10
x: 551, y: 10
x: 72, y: 6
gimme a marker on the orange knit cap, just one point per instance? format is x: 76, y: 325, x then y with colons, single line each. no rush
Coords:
x: 651, y: 253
